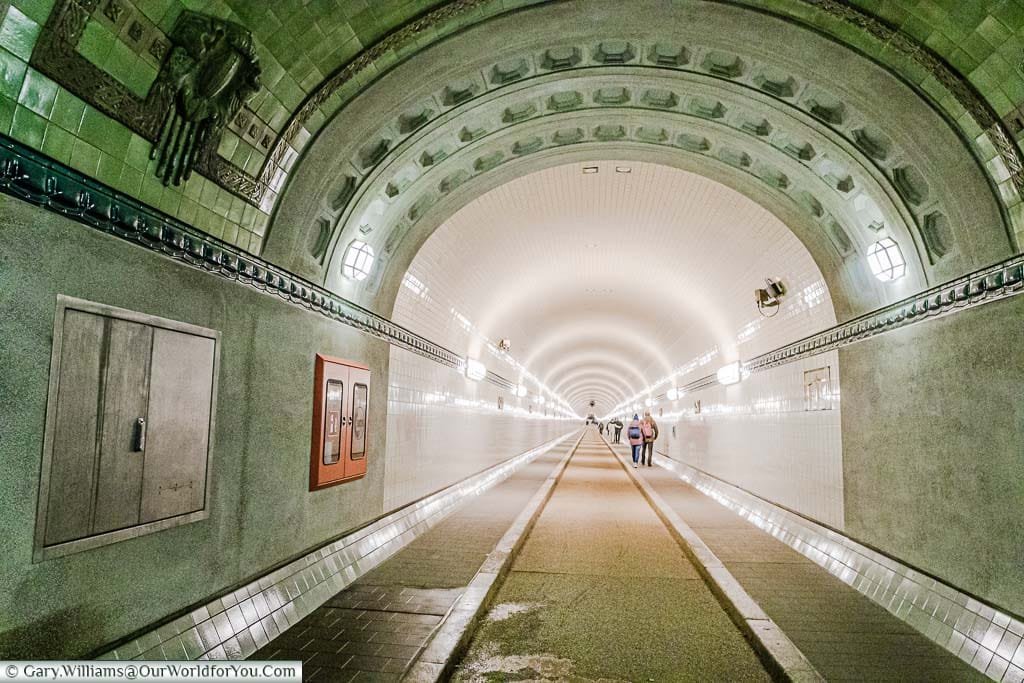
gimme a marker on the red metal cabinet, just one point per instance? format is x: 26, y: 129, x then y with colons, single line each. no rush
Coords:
x: 340, y: 422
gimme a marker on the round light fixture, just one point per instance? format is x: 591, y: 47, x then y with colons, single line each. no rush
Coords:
x: 358, y: 260
x: 886, y: 260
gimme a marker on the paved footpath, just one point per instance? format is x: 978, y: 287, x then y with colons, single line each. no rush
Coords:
x: 601, y: 591
x: 372, y: 630
x: 845, y: 635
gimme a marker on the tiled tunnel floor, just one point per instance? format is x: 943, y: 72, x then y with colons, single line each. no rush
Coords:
x: 372, y: 630
x: 846, y: 636
x: 601, y: 591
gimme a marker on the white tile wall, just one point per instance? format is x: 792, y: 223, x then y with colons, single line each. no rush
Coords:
x: 758, y: 435
x: 443, y: 427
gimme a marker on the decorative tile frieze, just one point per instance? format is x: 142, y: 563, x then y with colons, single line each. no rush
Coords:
x: 56, y: 55
x: 28, y: 176
x: 980, y: 634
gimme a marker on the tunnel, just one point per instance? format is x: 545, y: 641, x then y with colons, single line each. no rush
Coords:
x: 512, y: 340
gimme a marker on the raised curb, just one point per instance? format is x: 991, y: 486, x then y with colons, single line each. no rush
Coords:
x: 452, y: 636
x: 778, y: 653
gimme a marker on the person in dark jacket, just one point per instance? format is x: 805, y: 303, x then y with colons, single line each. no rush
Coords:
x: 618, y: 430
x: 636, y: 438
x: 649, y: 431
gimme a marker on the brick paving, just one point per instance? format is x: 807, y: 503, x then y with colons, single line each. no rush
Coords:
x: 845, y: 635
x: 374, y: 629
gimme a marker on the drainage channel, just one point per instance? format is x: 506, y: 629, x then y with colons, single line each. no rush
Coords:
x: 596, y: 588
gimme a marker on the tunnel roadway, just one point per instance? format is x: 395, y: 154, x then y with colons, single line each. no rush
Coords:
x: 599, y: 590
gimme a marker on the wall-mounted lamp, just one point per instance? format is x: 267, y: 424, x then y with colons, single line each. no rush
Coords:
x: 541, y: 400
x: 521, y: 390
x: 768, y: 299
x: 475, y: 370
x: 590, y: 169
x: 505, y: 345
x: 672, y: 394
x: 729, y: 374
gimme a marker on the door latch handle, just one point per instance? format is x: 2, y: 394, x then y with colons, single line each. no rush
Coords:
x: 139, y: 442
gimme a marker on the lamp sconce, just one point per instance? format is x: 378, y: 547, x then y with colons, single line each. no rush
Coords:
x: 505, y: 345
x: 768, y: 299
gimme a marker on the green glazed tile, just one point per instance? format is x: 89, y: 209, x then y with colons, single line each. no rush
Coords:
x: 229, y: 232
x: 109, y: 169
x: 130, y: 180
x: 38, y: 93
x: 28, y: 127
x: 7, y: 108
x: 993, y: 31
x: 85, y: 157
x: 187, y: 210
x: 208, y: 195
x: 96, y: 43
x: 105, y: 133
x: 36, y: 10
x: 170, y: 200
x: 67, y: 111
x: 18, y: 33
x: 152, y: 191
x: 58, y: 143
x: 137, y: 155
x: 12, y: 75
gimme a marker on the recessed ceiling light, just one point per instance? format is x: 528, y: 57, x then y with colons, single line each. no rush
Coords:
x: 590, y: 169
x: 623, y: 169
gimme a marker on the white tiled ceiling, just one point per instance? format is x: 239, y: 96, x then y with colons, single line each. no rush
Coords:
x: 607, y: 282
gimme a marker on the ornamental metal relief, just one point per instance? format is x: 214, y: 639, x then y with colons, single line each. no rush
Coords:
x: 212, y: 70
x: 206, y: 70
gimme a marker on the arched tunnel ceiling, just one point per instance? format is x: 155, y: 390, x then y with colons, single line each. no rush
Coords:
x: 739, y: 96
x: 607, y: 282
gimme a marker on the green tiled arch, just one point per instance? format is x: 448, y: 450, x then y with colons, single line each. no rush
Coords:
x: 302, y: 44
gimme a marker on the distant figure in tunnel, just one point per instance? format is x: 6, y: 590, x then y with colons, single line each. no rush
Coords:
x: 636, y: 437
x: 618, y: 429
x: 649, y: 429
x: 600, y: 427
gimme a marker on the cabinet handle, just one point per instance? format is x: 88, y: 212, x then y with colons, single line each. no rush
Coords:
x: 139, y: 442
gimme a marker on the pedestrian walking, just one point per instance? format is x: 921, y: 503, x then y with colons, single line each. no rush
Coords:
x: 649, y: 432
x: 636, y: 437
x: 618, y: 430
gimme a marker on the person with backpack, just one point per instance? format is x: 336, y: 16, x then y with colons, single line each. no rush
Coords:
x: 649, y: 431
x: 636, y: 437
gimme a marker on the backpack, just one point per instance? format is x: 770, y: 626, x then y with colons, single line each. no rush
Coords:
x: 648, y: 430
x: 634, y: 432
